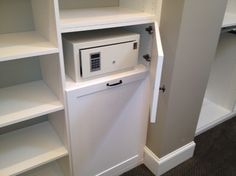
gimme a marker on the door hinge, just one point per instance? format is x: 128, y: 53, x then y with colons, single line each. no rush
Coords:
x: 149, y: 29
x: 147, y: 57
x: 162, y: 88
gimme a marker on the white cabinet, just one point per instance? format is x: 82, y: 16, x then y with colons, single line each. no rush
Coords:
x: 108, y: 115
x: 33, y: 85
x: 108, y: 126
x: 32, y: 118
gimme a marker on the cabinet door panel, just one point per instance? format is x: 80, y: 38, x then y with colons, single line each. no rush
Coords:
x: 155, y: 72
x: 107, y: 128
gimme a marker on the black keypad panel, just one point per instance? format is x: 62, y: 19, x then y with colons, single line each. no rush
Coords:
x: 95, y: 62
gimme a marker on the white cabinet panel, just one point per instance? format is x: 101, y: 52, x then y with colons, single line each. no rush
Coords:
x: 156, y: 72
x: 108, y: 128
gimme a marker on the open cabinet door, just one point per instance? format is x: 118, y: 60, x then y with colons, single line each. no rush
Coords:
x: 155, y: 72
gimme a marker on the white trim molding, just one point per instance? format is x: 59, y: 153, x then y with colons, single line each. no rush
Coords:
x: 159, y: 166
x: 122, y: 167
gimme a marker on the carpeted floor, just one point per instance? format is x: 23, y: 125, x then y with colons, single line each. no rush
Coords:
x: 215, y: 155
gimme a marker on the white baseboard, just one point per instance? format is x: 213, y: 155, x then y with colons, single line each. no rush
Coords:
x: 214, y: 123
x: 122, y: 167
x: 161, y: 165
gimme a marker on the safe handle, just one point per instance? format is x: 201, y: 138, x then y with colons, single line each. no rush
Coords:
x: 115, y: 84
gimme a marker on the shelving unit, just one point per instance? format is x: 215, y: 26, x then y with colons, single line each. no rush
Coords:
x: 94, y: 128
x: 29, y: 31
x: 30, y: 147
x: 32, y: 94
x: 80, y: 16
x: 220, y: 97
x: 32, y: 76
x: 24, y: 44
x: 31, y: 86
x: 26, y: 101
x: 230, y: 15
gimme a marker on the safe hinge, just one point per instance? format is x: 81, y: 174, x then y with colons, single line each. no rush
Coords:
x: 147, y: 57
x: 149, y: 29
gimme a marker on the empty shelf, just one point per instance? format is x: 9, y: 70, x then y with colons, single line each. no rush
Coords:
x: 28, y: 148
x: 229, y: 20
x: 26, y: 101
x: 51, y: 169
x: 97, y: 18
x: 24, y: 44
x: 211, y: 115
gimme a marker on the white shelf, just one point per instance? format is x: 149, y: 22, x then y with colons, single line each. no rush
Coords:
x: 26, y: 101
x: 211, y: 115
x: 51, y: 169
x: 24, y: 44
x: 28, y: 148
x: 97, y: 18
x: 87, y: 86
x: 229, y: 20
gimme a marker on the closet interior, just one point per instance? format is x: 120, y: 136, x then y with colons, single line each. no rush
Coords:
x: 220, y: 96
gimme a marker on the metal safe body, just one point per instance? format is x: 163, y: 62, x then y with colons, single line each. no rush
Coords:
x: 89, y: 54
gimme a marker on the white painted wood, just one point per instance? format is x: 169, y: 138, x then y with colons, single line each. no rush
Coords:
x: 26, y: 101
x: 159, y: 166
x: 16, y: 16
x: 230, y: 14
x: 28, y: 148
x: 44, y: 19
x: 122, y: 167
x: 156, y: 72
x: 107, y: 127
x: 25, y: 44
x: 148, y: 6
x: 58, y: 122
x: 212, y: 115
x: 81, y: 4
x: 221, y: 88
x: 52, y: 74
x: 52, y: 169
x: 229, y: 20
x: 93, y: 85
x: 98, y: 18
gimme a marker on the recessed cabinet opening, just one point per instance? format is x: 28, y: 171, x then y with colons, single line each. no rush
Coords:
x: 29, y: 88
x: 220, y: 97
x: 136, y: 40
x: 33, y: 143
x: 95, y: 14
x: 149, y: 58
x: 27, y: 28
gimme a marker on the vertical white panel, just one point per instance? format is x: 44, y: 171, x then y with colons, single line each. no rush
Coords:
x: 156, y: 72
x: 44, y: 19
x: 221, y: 87
x: 51, y: 73
x: 107, y: 127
